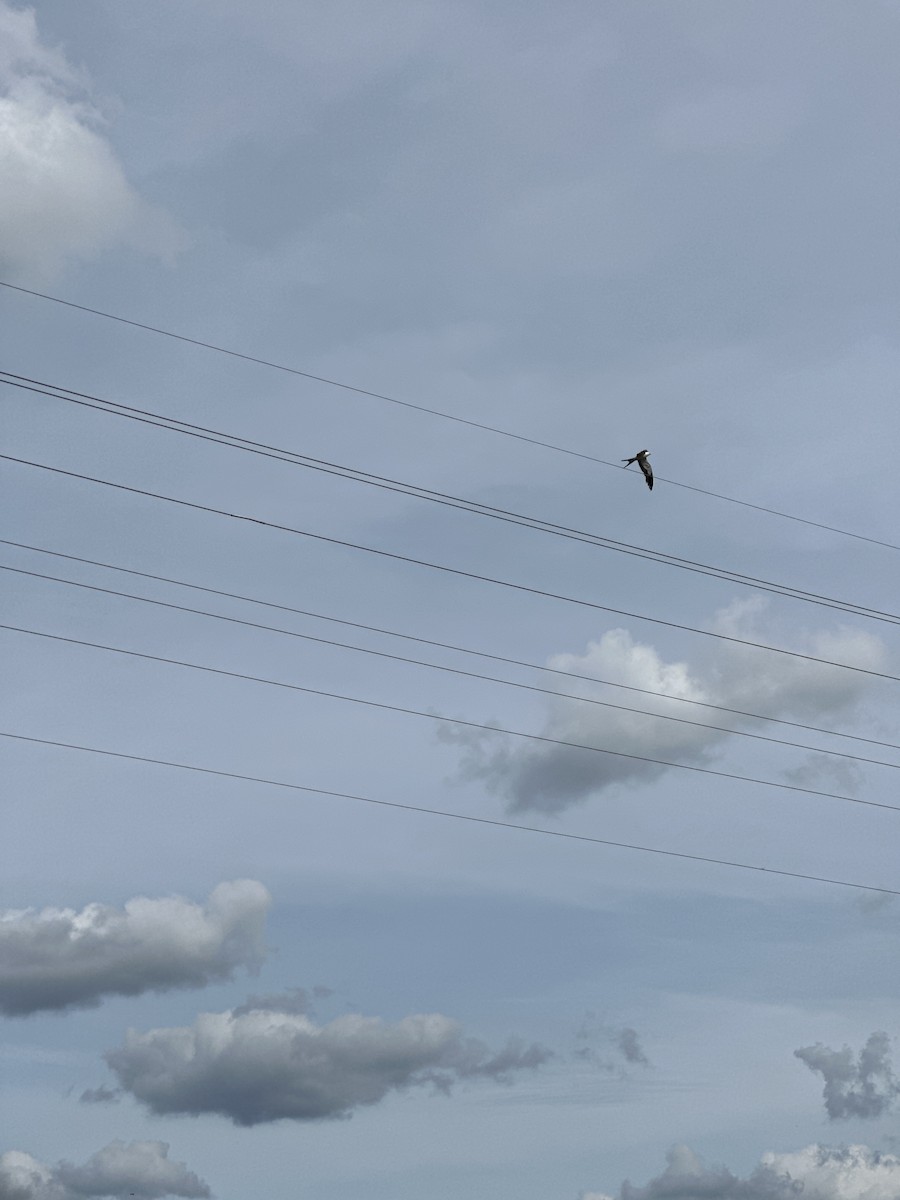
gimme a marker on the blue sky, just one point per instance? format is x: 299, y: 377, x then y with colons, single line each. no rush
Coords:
x: 603, y: 227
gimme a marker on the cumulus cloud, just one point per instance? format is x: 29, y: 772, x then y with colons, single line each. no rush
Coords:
x: 269, y: 1065
x: 57, y: 958
x: 550, y: 779
x: 860, y: 1086
x: 63, y: 193
x: 141, y: 1169
x: 815, y: 1173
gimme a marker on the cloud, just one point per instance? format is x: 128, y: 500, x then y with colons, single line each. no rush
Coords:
x: 815, y: 1173
x: 57, y: 958
x: 100, y: 1095
x: 271, y: 1065
x: 551, y: 778
x: 63, y: 193
x: 630, y: 1048
x: 141, y: 1169
x: 295, y: 1001
x: 862, y: 1087
x: 623, y: 1042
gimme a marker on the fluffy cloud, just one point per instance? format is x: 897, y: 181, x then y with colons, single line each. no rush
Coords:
x: 815, y: 1173
x: 141, y: 1169
x: 549, y: 778
x: 57, y: 958
x: 270, y: 1065
x: 63, y: 193
x: 864, y: 1086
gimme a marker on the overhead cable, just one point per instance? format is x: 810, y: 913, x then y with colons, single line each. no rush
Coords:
x: 582, y: 677
x: 437, y: 812
x: 456, y: 571
x: 447, y: 500
x: 432, y: 716
x: 434, y: 412
x: 759, y: 737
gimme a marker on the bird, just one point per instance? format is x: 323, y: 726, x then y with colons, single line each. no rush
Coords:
x: 641, y: 459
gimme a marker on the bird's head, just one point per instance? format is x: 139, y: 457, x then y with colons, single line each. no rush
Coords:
x: 644, y: 453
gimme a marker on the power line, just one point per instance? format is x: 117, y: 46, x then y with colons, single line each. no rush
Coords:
x: 434, y: 412
x: 431, y: 716
x: 437, y: 812
x: 419, y: 492
x: 515, y: 662
x: 759, y: 737
x: 396, y: 557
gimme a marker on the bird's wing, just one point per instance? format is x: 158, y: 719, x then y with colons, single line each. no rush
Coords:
x: 648, y: 473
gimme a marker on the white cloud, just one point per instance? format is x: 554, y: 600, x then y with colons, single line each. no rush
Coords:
x: 270, y: 1065
x: 552, y: 778
x: 140, y: 1169
x: 57, y: 958
x: 815, y: 1173
x: 63, y: 193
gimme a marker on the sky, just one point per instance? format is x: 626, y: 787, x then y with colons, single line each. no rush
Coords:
x: 598, y: 228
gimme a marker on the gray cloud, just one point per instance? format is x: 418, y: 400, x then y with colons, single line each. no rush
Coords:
x: 63, y: 192
x: 619, y: 1043
x: 269, y: 1065
x: 100, y: 1095
x: 551, y: 779
x: 630, y: 1047
x: 140, y: 1169
x: 815, y: 1173
x: 54, y: 959
x: 864, y: 1086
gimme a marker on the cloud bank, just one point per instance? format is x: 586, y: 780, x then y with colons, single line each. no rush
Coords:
x: 270, y: 1065
x: 864, y: 1086
x: 551, y: 779
x: 63, y: 193
x: 815, y: 1173
x: 140, y: 1169
x: 57, y: 958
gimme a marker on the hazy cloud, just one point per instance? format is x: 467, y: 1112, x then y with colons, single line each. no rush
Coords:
x: 815, y: 1173
x: 861, y: 1086
x: 630, y: 1048
x: 141, y: 1169
x: 552, y: 778
x: 270, y: 1065
x: 57, y: 958
x: 100, y: 1095
x: 295, y: 1001
x: 63, y: 193
x: 607, y: 1046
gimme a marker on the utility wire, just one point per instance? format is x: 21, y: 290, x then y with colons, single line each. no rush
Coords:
x: 431, y: 716
x: 437, y: 812
x: 433, y: 412
x: 439, y: 567
x: 759, y: 737
x: 396, y: 557
x: 419, y: 492
x: 515, y: 662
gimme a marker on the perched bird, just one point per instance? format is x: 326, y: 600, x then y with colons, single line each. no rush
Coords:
x: 641, y: 459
